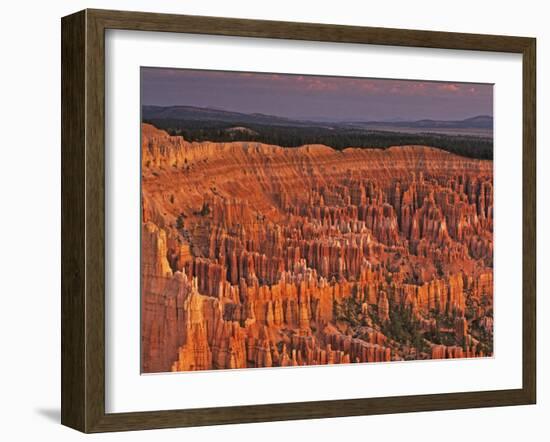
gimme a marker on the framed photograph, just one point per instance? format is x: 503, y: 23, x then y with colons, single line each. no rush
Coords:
x: 266, y: 221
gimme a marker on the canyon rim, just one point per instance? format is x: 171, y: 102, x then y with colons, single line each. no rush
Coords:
x: 293, y: 220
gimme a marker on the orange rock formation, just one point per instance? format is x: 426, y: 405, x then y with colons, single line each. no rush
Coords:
x: 259, y: 256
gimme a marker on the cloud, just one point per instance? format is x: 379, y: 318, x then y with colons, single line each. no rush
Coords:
x: 317, y: 95
x: 449, y: 87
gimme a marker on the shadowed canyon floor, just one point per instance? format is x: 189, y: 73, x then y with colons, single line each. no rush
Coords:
x: 258, y: 256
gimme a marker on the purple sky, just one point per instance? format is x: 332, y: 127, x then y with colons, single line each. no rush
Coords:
x: 316, y: 97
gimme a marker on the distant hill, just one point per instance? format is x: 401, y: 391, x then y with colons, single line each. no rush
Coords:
x: 193, y: 113
x: 479, y: 122
x: 481, y: 126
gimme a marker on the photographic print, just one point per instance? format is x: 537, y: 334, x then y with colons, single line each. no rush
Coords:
x: 300, y: 220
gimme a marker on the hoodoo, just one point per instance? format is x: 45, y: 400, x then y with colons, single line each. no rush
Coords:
x: 256, y: 255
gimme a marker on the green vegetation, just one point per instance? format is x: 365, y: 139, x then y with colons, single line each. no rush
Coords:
x: 179, y: 221
x: 404, y: 327
x: 338, y: 137
x: 349, y: 310
x: 486, y: 342
x: 205, y: 210
x: 484, y: 336
x: 437, y: 337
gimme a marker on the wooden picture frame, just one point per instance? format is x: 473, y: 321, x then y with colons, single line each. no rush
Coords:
x: 83, y: 220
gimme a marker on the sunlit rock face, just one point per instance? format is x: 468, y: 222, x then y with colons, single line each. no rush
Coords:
x: 263, y: 256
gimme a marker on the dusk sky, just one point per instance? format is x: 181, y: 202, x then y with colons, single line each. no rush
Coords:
x: 316, y: 97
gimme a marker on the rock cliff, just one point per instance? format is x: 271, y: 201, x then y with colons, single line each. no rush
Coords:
x: 259, y: 256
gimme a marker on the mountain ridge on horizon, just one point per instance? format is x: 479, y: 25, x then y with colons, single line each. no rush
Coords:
x: 186, y: 112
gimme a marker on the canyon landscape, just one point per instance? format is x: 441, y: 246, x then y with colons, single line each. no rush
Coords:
x: 257, y: 253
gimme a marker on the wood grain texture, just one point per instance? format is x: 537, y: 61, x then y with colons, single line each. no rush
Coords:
x: 95, y: 221
x: 143, y: 21
x: 83, y: 218
x: 73, y: 128
x: 529, y: 221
